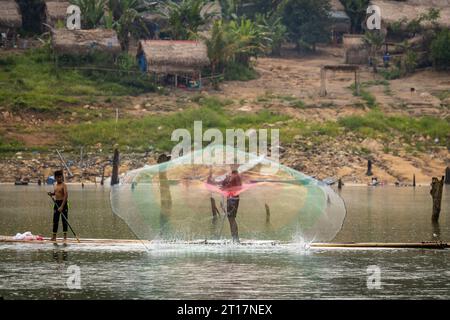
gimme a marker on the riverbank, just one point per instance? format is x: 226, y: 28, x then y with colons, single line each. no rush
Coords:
x: 404, y: 134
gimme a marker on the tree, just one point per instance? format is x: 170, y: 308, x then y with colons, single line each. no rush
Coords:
x: 374, y: 40
x: 275, y: 31
x: 307, y: 21
x: 357, y: 11
x: 440, y: 50
x: 126, y: 16
x: 186, y: 17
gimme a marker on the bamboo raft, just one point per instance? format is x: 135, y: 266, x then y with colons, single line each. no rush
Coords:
x: 125, y: 242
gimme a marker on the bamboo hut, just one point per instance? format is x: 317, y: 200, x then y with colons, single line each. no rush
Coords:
x: 341, y: 23
x: 356, y: 51
x: 180, y: 59
x: 83, y: 42
x: 55, y: 11
x: 10, y: 20
x: 395, y: 11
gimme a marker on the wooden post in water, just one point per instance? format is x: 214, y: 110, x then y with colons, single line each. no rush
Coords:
x: 447, y: 175
x: 214, y: 210
x: 340, y: 184
x: 414, y: 180
x: 436, y: 194
x: 102, y: 180
x: 115, y: 171
x: 267, y: 214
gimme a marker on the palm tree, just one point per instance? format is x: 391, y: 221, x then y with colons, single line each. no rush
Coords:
x: 127, y: 20
x: 186, y: 17
x: 92, y: 12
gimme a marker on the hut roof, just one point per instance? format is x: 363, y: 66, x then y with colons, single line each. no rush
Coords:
x: 336, y: 5
x: 56, y: 10
x: 85, y: 41
x: 168, y: 56
x: 10, y: 16
x: 393, y: 11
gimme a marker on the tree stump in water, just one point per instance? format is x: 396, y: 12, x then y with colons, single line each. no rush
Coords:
x: 214, y: 210
x: 436, y: 194
x: 115, y: 172
x: 267, y: 213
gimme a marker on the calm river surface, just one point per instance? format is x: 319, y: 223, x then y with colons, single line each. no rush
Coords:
x: 384, y: 214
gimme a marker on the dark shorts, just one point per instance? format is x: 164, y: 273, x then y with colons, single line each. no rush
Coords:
x: 232, y: 207
x: 56, y: 216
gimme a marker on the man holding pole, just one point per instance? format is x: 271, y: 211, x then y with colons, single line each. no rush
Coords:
x: 60, y: 204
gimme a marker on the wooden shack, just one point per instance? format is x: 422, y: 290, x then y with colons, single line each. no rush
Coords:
x: 181, y: 59
x: 84, y: 42
x: 10, y: 21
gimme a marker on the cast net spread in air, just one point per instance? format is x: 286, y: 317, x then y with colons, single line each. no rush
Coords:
x: 181, y: 200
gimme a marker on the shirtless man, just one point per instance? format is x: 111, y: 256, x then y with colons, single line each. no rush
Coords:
x: 232, y: 183
x: 61, y: 195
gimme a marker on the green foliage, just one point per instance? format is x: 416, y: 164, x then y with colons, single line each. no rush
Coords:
x: 377, y: 124
x: 8, y: 145
x: 232, y: 45
x: 391, y: 74
x: 374, y: 40
x: 410, y: 61
x: 186, y: 17
x: 92, y: 12
x: 356, y: 10
x: 440, y: 50
x: 156, y: 130
x: 275, y: 31
x: 30, y: 83
x: 307, y: 21
x: 369, y: 98
x: 237, y: 71
x: 410, y: 28
x: 125, y: 17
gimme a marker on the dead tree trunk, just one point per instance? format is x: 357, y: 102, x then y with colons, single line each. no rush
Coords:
x: 436, y: 194
x: 267, y: 214
x: 340, y: 184
x: 214, y: 210
x: 115, y: 171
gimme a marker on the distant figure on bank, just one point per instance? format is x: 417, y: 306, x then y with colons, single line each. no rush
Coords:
x: 60, y: 207
x: 231, y: 184
x: 386, y: 59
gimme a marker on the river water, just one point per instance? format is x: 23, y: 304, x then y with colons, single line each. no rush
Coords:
x: 383, y: 214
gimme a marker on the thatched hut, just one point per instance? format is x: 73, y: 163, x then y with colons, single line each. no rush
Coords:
x: 10, y: 21
x: 183, y: 59
x: 55, y: 10
x: 356, y: 51
x: 83, y: 42
x: 341, y: 22
x: 395, y: 11
x: 10, y: 17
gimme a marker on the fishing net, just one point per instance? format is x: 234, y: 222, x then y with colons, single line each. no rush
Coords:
x: 184, y: 199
